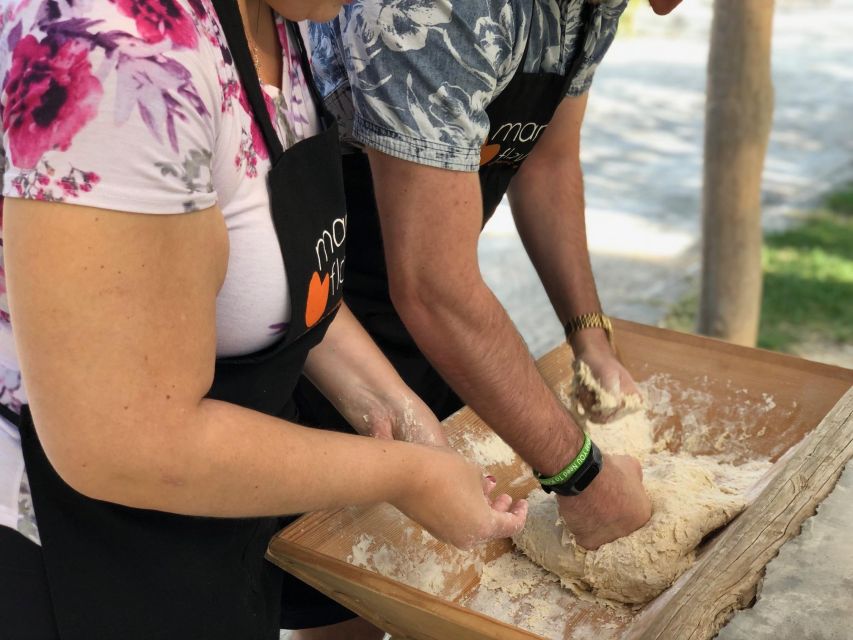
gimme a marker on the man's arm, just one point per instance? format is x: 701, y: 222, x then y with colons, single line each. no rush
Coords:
x: 431, y: 221
x: 547, y: 200
x: 430, y: 225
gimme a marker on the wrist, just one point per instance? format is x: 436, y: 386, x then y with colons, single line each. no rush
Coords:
x: 589, y: 331
x: 577, y: 475
x: 562, y: 451
x: 596, y: 496
x: 422, y: 469
x: 593, y: 339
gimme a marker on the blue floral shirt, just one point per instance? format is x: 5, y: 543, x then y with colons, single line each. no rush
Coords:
x: 413, y: 78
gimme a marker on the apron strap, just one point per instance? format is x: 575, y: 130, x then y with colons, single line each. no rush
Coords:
x: 235, y: 35
x: 10, y: 415
x: 587, y: 15
x: 326, y: 117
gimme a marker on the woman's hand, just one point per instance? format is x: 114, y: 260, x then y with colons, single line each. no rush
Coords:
x: 405, y: 418
x: 452, y: 500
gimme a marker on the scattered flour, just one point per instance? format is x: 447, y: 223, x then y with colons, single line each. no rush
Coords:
x: 698, y: 469
x: 680, y: 424
x: 691, y: 496
x: 418, y: 561
x: 486, y: 449
x: 516, y: 591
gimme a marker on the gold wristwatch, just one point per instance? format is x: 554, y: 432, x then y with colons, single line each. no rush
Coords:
x: 590, y: 321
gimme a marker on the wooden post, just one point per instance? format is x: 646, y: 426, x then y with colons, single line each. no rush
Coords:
x: 739, y: 112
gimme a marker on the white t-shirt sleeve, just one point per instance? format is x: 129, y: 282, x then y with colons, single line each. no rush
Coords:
x: 106, y: 107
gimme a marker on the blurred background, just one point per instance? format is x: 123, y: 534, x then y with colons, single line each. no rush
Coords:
x: 642, y: 152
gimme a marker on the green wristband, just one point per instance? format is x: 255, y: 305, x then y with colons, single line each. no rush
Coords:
x: 570, y: 468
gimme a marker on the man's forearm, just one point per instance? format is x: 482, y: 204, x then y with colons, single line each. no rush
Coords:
x: 548, y: 207
x: 430, y: 224
x: 472, y: 342
x: 547, y: 200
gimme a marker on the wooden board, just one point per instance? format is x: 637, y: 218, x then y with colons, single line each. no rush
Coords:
x: 728, y: 400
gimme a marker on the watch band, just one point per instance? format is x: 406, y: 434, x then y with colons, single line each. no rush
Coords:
x: 575, y: 481
x: 590, y: 321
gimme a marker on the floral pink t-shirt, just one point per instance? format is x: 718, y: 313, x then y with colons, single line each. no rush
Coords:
x: 136, y: 105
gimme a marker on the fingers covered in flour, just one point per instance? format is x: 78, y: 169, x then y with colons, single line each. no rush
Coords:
x: 603, y: 388
x: 453, y: 501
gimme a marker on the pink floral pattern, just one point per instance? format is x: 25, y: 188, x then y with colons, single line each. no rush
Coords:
x: 43, y: 183
x: 51, y: 91
x: 4, y: 305
x: 122, y: 104
x: 50, y: 94
x: 159, y: 19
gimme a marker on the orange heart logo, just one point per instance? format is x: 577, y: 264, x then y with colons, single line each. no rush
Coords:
x: 318, y: 296
x: 488, y: 152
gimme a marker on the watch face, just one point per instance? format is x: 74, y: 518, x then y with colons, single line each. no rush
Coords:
x: 587, y: 473
x: 582, y: 477
x: 584, y: 480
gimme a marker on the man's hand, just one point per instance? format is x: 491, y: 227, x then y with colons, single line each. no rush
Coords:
x: 614, y: 505
x: 602, y: 384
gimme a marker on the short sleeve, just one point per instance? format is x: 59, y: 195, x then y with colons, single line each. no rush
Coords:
x: 600, y: 36
x: 420, y: 75
x: 110, y: 104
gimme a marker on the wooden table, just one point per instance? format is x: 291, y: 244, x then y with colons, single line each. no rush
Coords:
x: 766, y: 403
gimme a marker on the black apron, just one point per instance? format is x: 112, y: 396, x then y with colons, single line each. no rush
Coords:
x: 118, y: 572
x: 517, y: 117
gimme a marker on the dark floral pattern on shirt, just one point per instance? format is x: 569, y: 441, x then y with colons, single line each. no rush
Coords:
x: 413, y: 78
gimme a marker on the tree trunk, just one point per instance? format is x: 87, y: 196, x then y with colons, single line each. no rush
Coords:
x: 739, y: 112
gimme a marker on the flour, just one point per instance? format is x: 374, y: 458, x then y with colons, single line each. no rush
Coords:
x: 411, y: 429
x: 691, y: 419
x: 516, y: 591
x: 417, y: 560
x: 691, y: 496
x: 513, y: 577
x: 486, y: 449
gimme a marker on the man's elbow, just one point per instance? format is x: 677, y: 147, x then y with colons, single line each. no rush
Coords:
x: 424, y: 299
x: 410, y: 296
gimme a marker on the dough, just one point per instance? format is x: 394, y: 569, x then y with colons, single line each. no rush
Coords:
x: 687, y: 504
x: 691, y: 496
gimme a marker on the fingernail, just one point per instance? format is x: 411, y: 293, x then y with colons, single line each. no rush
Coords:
x: 492, y: 479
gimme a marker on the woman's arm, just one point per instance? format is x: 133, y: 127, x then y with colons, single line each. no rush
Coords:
x: 351, y: 371
x: 114, y: 321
